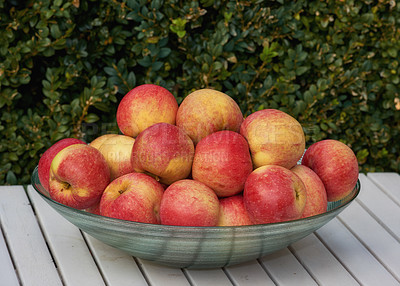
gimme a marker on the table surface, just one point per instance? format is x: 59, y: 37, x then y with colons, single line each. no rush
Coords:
x: 359, y: 247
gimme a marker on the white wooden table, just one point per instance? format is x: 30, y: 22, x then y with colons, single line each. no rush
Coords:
x: 359, y: 247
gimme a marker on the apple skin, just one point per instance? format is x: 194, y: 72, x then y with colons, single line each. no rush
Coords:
x: 48, y: 156
x: 232, y: 211
x: 317, y: 202
x: 97, y: 142
x: 189, y: 203
x: 78, y: 176
x: 274, y: 194
x: 95, y: 209
x: 222, y: 161
x: 274, y: 137
x: 163, y: 151
x: 117, y: 151
x: 144, y: 106
x: 206, y: 111
x: 134, y: 197
x: 336, y: 165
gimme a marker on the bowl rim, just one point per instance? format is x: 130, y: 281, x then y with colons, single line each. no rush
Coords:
x: 36, y: 183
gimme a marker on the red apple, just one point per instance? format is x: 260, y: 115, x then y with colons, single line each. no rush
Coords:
x: 222, y: 161
x: 48, y: 156
x: 78, y: 176
x: 164, y: 151
x: 134, y: 197
x: 336, y: 164
x: 232, y: 212
x: 144, y: 106
x: 189, y: 203
x: 274, y: 137
x: 206, y: 111
x: 117, y: 151
x: 316, y: 194
x: 274, y: 194
x: 95, y: 209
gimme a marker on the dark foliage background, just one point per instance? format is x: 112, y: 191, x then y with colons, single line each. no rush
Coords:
x: 333, y: 65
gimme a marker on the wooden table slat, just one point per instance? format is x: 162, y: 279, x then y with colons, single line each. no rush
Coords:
x: 206, y: 277
x: 285, y: 269
x: 379, y: 203
x: 354, y: 256
x: 117, y: 267
x: 7, y: 272
x: 25, y: 240
x: 389, y: 183
x: 248, y: 274
x: 375, y: 238
x: 321, y: 263
x: 161, y: 275
x: 67, y: 244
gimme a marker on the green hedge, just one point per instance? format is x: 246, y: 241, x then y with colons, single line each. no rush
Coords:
x: 64, y: 66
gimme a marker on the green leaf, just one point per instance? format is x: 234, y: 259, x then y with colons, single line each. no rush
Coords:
x: 91, y: 118
x: 55, y: 31
x: 11, y: 178
x: 301, y: 70
x: 392, y: 52
x: 164, y: 52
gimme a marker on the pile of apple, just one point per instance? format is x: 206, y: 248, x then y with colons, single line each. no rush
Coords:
x: 199, y: 163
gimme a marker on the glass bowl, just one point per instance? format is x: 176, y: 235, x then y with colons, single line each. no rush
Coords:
x: 194, y: 247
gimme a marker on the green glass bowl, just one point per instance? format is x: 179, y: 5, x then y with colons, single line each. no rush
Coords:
x: 194, y: 247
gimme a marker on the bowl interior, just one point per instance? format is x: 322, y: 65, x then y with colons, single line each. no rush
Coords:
x: 194, y: 247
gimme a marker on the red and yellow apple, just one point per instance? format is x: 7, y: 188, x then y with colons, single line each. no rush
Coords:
x: 48, y: 156
x: 144, y: 106
x: 222, y: 161
x: 134, y: 197
x: 189, y: 203
x: 163, y: 151
x: 232, y: 212
x: 274, y: 137
x: 205, y: 111
x: 336, y: 165
x: 273, y: 193
x: 78, y: 176
x: 117, y: 151
x: 316, y: 194
x: 97, y: 142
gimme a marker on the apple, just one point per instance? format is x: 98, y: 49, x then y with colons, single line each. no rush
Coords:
x: 48, y: 156
x: 206, y: 111
x: 222, y: 161
x: 316, y: 194
x: 144, y: 106
x: 336, y: 165
x: 134, y: 197
x: 163, y: 151
x: 189, y: 203
x: 95, y: 209
x: 97, y: 142
x: 117, y: 151
x: 274, y: 137
x: 273, y: 193
x: 232, y: 211
x: 78, y: 176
